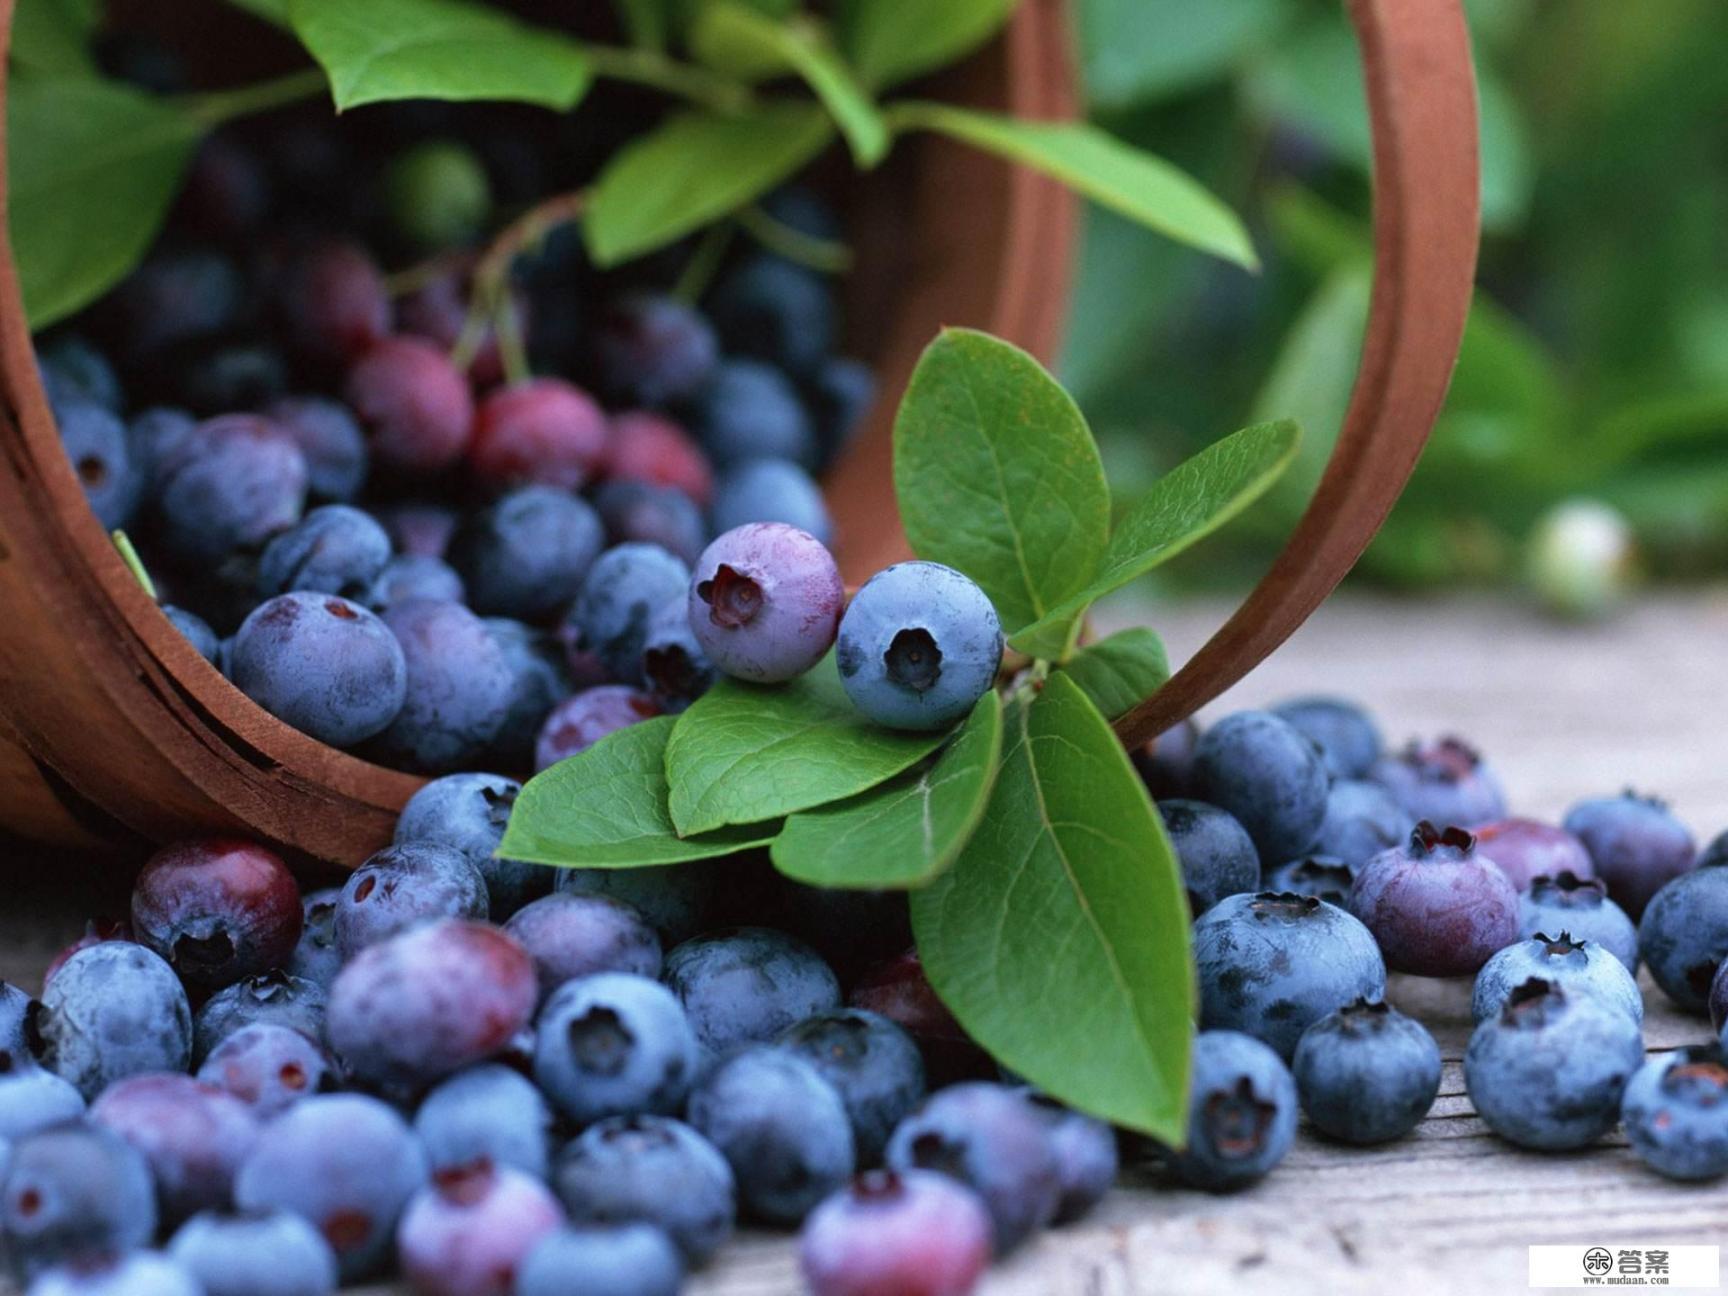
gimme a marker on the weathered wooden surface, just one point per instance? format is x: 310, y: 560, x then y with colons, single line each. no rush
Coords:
x: 1564, y: 712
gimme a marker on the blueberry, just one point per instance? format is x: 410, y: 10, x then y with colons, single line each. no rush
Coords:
x: 1362, y: 819
x: 651, y: 448
x: 196, y: 630
x: 780, y: 1125
x: 675, y: 666
x: 625, y: 1260
x: 437, y: 194
x: 572, y: 936
x: 468, y: 813
x: 771, y: 490
x: 840, y: 394
x: 1549, y: 1071
x: 1445, y: 782
x: 583, y: 719
x: 1636, y: 844
x: 273, y: 996
x: 217, y: 909
x: 1683, y: 936
x: 1366, y: 1073
x: 652, y: 1170
x: 154, y: 437
x: 72, y: 1191
x: 334, y: 549
x: 526, y: 555
x: 421, y: 1005
x: 95, y: 441
x: 458, y: 686
x: 749, y: 410
x: 1271, y: 965
x: 623, y: 590
x: 414, y: 404
x: 765, y: 601
x: 654, y: 350
x: 317, y: 957
x: 330, y: 438
x: 486, y: 1114
x: 772, y: 310
x: 994, y: 1140
x: 1086, y: 1157
x: 177, y: 295
x: 640, y: 512
x: 333, y: 302
x: 1579, y: 905
x: 1217, y: 856
x: 614, y: 1044
x: 543, y: 431
x: 405, y: 885
x: 193, y: 1136
x: 918, y: 646
x: 17, y: 1029
x: 873, y: 1065
x: 111, y: 1011
x: 268, y: 1066
x: 1675, y: 1110
x: 347, y: 1164
x: 1322, y: 876
x: 673, y: 899
x: 421, y: 528
x: 467, y: 1232
x: 897, y: 989
x: 1261, y: 769
x: 1525, y: 850
x: 1580, y: 968
x: 1348, y: 739
x: 539, y: 682
x: 1166, y: 764
x: 1436, y: 907
x: 748, y: 985
x: 33, y: 1098
x: 138, y: 1273
x: 412, y: 576
x: 233, y: 482
x: 273, y: 1253
x: 227, y: 193
x: 323, y: 664
x: 74, y: 370
x: 915, y: 1233
x: 1241, y: 1113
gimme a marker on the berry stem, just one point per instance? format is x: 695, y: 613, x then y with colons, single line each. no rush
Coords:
x: 224, y: 105
x: 650, y: 67
x: 826, y: 255
x: 704, y: 263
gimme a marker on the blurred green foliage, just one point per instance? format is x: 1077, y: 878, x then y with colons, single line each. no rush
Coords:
x: 1596, y: 357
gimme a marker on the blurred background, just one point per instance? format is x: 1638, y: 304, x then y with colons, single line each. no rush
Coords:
x: 1595, y: 364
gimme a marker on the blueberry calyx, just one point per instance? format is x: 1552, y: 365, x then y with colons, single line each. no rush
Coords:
x: 1701, y: 1072
x: 1284, y: 904
x: 1451, y: 760
x: 1362, y: 1015
x: 1426, y: 840
x: 913, y: 660
x: 670, y: 671
x: 930, y: 1151
x: 1559, y: 946
x: 1569, y: 884
x: 202, y: 955
x: 1530, y: 1003
x: 464, y: 1184
x: 733, y: 598
x: 1238, y: 1120
x: 878, y: 1186
x: 601, y: 1042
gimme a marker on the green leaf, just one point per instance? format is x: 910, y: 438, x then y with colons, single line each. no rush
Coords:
x: 1092, y: 162
x: 694, y: 169
x: 1060, y: 936
x: 997, y: 476
x: 52, y: 37
x: 94, y: 167
x: 1185, y: 505
x: 437, y: 49
x: 737, y: 38
x: 1137, y: 51
x: 606, y: 808
x: 1120, y: 670
x: 890, y: 41
x: 908, y: 830
x: 747, y: 752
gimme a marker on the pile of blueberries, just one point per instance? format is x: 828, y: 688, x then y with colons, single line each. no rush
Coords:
x: 353, y: 513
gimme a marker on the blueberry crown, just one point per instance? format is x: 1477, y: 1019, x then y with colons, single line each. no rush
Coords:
x: 1426, y: 839
x: 1570, y: 886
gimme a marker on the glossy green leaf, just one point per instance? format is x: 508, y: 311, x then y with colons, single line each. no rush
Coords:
x: 437, y: 49
x: 890, y: 41
x: 1120, y: 670
x: 1138, y: 51
x: 94, y: 166
x: 908, y: 830
x: 1059, y: 938
x: 1139, y: 185
x: 694, y: 169
x: 997, y: 476
x: 1182, y: 507
x: 52, y: 37
x: 743, y: 752
x: 606, y: 808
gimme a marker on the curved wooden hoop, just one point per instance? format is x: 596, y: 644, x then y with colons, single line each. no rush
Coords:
x: 1422, y: 103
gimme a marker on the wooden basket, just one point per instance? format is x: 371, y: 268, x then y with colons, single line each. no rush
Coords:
x: 113, y: 729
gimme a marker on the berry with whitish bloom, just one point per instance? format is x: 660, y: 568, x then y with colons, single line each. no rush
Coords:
x: 272, y: 996
x: 405, y: 885
x: 113, y: 1010
x: 1580, y: 968
x: 1675, y: 1111
x: 1217, y: 856
x: 268, y: 1066
x: 458, y: 688
x: 74, y: 1190
x: 1435, y: 906
x: 1267, y: 774
x: 1636, y: 843
x: 764, y: 602
x: 269, y: 1253
x: 1241, y: 1113
x: 468, y: 1231
x: 748, y: 984
x: 631, y: 1259
x: 1346, y: 735
x: 1525, y: 850
x: 1445, y: 782
x: 913, y: 1233
x: 137, y: 1273
x: 1362, y: 819
x: 487, y: 1113
x: 1367, y: 1073
x: 1579, y: 905
x: 623, y: 590
x: 614, y: 1044
x: 469, y: 813
x: 193, y: 1135
x: 1683, y: 936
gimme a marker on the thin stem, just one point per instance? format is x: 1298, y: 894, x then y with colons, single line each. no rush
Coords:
x: 826, y: 255
x: 647, y: 67
x: 225, y: 105
x: 512, y: 354
x: 704, y: 263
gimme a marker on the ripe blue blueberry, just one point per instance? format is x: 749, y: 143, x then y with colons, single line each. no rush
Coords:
x: 1636, y: 843
x: 1683, y: 936
x: 412, y: 576
x: 1675, y: 1111
x: 1548, y: 1072
x: 1362, y: 819
x: 111, y: 1011
x: 748, y: 985
x: 1086, y: 1156
x: 647, y: 513
x: 1579, y: 905
x: 1445, y: 782
x: 771, y: 490
x: 17, y: 1031
x: 329, y: 437
x: 623, y: 590
x: 584, y: 718
x: 317, y: 957
x: 780, y: 1126
x: 571, y: 936
x: 653, y: 351
x: 764, y: 602
x: 626, y: 1259
x: 1322, y: 876
x: 33, y: 1098
x: 273, y: 996
x: 915, y: 1233
x: 232, y: 483
x: 403, y: 886
x: 273, y: 1253
x: 653, y: 1170
x: 539, y: 681
x: 1241, y: 1113
x: 1348, y: 739
x: 176, y: 295
x: 458, y: 688
x: 268, y: 1066
x: 138, y: 1273
x: 1367, y: 1073
x: 154, y: 437
x: 776, y: 311
x: 1166, y: 764
x: 994, y: 1140
x: 1217, y: 856
x: 467, y: 1232
x: 873, y: 1065
x: 1436, y: 907
x: 487, y: 1113
x: 525, y: 555
x: 614, y: 1044
x: 74, y: 1190
x: 334, y: 549
x: 748, y: 410
x: 675, y: 667
x: 95, y: 441
x: 73, y: 369
x: 217, y: 909
x: 840, y: 393
x: 1583, y: 970
x: 1261, y: 769
x: 918, y: 646
x: 196, y: 630
x: 1525, y: 850
x: 193, y: 1136
x: 323, y: 664
x: 468, y: 813
x: 673, y: 899
x: 1271, y: 965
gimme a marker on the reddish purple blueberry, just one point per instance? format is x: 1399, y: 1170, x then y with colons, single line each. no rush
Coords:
x: 1436, y: 907
x: 416, y: 408
x: 193, y: 1135
x: 334, y: 303
x: 1525, y: 850
x: 1636, y: 843
x: 218, y: 909
x: 651, y: 448
x: 571, y: 936
x: 765, y: 602
x: 543, y: 431
x: 468, y: 1231
x: 914, y: 1233
x: 268, y: 1066
x: 580, y: 721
